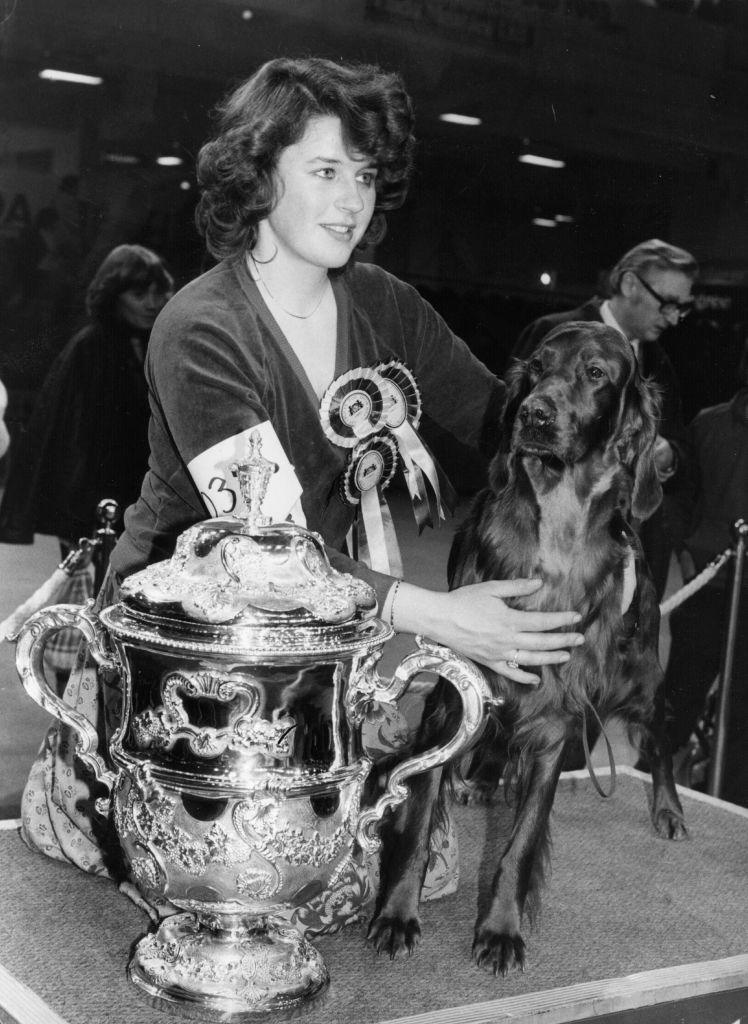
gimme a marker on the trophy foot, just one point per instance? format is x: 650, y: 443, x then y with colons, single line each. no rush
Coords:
x: 230, y: 970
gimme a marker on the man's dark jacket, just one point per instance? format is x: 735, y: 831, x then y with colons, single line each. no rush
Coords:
x: 655, y: 364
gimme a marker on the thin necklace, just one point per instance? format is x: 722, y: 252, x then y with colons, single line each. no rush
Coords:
x: 296, y: 316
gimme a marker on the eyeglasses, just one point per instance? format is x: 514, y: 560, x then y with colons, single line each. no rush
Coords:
x: 667, y: 306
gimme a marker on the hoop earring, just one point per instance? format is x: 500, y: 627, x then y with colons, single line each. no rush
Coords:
x: 263, y: 262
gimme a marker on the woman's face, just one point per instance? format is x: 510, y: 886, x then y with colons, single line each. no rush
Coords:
x: 140, y: 306
x: 325, y: 199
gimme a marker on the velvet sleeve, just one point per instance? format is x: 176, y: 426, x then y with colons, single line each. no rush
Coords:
x: 459, y: 392
x: 204, y: 389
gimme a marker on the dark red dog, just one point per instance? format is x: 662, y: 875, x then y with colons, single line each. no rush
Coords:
x: 574, y: 470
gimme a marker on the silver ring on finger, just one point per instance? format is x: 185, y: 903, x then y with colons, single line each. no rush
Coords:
x: 513, y: 662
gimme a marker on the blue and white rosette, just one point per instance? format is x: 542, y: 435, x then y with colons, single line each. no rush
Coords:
x: 430, y: 490
x: 372, y: 539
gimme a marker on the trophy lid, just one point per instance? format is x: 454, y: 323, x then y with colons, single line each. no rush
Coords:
x: 249, y: 571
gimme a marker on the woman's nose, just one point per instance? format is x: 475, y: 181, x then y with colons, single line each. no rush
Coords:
x: 351, y: 196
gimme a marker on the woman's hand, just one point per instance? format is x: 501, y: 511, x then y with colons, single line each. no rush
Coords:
x: 475, y: 621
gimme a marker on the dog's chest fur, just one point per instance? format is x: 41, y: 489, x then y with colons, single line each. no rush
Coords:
x: 562, y: 535
x: 569, y: 535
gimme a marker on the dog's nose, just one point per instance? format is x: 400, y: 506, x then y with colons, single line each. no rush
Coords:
x: 537, y: 412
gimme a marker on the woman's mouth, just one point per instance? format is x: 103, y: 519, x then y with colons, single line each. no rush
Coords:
x: 343, y: 232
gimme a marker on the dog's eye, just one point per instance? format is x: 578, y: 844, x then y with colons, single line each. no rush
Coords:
x: 595, y: 373
x: 535, y: 366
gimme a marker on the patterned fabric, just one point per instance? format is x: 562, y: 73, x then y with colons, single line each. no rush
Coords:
x: 61, y: 650
x: 57, y: 807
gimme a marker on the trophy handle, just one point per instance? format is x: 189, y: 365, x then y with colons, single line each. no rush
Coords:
x: 475, y: 695
x: 32, y: 640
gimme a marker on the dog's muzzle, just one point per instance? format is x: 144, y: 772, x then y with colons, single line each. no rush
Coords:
x: 537, y: 412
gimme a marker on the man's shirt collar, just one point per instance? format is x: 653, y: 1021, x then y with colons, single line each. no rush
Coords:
x: 607, y: 316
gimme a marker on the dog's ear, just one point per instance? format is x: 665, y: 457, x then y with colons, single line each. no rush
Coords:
x: 517, y: 380
x: 638, y: 424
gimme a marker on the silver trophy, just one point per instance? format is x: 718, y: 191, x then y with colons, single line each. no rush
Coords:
x: 237, y: 775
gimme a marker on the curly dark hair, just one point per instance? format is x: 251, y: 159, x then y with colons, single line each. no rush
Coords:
x: 269, y: 112
x: 126, y: 266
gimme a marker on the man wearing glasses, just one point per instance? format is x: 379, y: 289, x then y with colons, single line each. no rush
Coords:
x: 649, y: 290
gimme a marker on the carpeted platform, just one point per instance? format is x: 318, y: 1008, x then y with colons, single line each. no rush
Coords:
x: 629, y: 920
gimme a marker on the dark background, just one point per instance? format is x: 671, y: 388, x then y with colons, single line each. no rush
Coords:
x: 645, y: 101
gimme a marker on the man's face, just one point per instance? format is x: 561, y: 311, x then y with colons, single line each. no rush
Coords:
x: 641, y: 312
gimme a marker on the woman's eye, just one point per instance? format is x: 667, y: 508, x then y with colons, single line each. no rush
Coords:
x: 595, y: 373
x: 368, y: 178
x: 325, y: 172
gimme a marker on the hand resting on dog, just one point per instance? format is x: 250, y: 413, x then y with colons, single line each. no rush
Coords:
x: 476, y: 621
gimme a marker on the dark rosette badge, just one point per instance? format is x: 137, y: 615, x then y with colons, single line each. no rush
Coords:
x: 352, y: 407
x: 371, y: 467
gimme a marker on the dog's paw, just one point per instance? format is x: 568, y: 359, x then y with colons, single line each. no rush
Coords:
x: 498, y: 952
x: 393, y: 935
x: 669, y: 824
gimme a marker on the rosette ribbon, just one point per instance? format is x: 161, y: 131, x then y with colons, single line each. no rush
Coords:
x: 429, y: 488
x: 372, y: 538
x: 352, y: 407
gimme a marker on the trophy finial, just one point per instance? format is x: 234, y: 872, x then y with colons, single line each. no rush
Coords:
x: 253, y: 477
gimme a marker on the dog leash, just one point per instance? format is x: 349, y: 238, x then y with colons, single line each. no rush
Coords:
x: 588, y: 758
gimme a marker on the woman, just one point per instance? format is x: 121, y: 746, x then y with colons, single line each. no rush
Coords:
x: 87, y: 438
x: 308, y: 156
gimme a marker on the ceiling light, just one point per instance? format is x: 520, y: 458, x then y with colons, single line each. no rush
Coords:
x: 540, y: 161
x: 53, y: 75
x: 185, y: 186
x: 546, y: 279
x: 564, y: 218
x: 120, y: 158
x: 460, y: 119
x: 247, y: 15
x: 543, y: 222
x: 169, y: 161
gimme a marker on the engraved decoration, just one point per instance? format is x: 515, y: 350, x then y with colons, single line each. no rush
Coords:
x: 162, y: 726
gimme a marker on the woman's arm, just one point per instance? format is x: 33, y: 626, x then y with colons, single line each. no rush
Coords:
x: 476, y: 621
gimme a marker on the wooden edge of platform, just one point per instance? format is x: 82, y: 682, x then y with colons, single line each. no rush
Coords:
x: 590, y: 999
x: 691, y: 794
x: 8, y: 824
x: 23, y: 1004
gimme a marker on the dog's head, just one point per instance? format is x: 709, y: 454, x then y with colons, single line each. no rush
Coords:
x: 581, y: 393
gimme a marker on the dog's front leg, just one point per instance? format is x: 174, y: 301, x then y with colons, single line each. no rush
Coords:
x: 498, y: 943
x: 396, y: 926
x: 667, y: 811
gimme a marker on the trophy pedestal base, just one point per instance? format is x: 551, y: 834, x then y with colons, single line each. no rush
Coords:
x: 237, y: 969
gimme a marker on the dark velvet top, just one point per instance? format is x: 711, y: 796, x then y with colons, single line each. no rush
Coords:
x: 218, y: 364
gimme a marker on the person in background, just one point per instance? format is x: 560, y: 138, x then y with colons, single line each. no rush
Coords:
x: 308, y: 156
x: 87, y: 437
x: 649, y: 291
x: 710, y: 496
